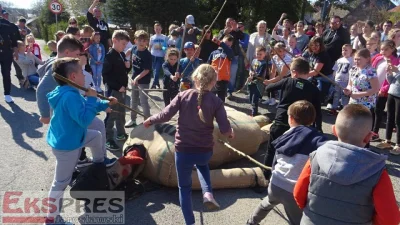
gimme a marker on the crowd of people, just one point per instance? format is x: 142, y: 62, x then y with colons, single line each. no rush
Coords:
x: 298, y: 67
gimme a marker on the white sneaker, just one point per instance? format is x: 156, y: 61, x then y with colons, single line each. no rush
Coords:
x: 8, y: 99
x: 272, y: 101
x: 209, y: 202
x: 329, y: 106
x: 130, y: 124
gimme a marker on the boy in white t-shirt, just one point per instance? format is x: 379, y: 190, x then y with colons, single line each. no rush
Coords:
x: 341, y: 69
x: 158, y: 45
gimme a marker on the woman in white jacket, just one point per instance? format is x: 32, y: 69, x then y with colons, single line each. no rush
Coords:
x: 259, y: 38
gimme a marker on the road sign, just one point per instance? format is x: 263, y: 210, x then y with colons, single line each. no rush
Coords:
x: 55, y: 7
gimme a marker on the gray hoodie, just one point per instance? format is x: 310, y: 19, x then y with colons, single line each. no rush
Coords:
x: 46, y: 85
x: 342, y: 179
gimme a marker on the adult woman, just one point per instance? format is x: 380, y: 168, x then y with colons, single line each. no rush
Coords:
x: 72, y: 22
x: 207, y: 46
x: 360, y: 40
x: 257, y: 39
x: 320, y: 61
x: 394, y: 35
x: 301, y: 38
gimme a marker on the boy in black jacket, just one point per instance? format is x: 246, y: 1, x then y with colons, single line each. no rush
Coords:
x: 294, y: 88
x: 115, y: 76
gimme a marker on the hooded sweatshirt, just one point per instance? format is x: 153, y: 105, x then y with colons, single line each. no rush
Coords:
x: 72, y: 114
x: 292, y: 151
x: 346, y: 184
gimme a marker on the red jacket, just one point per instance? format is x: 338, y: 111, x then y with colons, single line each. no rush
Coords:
x: 36, y: 51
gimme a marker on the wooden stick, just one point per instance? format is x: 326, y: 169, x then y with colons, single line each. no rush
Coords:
x: 259, y: 78
x: 245, y: 155
x: 70, y: 82
x: 182, y: 45
x: 155, y: 89
x: 154, y: 102
x: 202, y: 39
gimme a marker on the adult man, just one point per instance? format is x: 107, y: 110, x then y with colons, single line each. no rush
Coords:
x: 94, y: 18
x: 242, y: 64
x: 335, y: 38
x: 231, y: 27
x: 387, y: 26
x: 18, y: 71
x: 191, y: 31
x: 23, y: 29
x: 8, y: 47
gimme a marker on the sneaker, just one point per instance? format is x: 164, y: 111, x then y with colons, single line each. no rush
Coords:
x: 130, y: 124
x: 84, y: 162
x: 396, y: 150
x: 384, y: 145
x: 112, y: 146
x: 122, y: 137
x: 209, y: 202
x: 230, y: 96
x: 109, y: 162
x: 375, y: 138
x: 329, y: 106
x: 272, y: 101
x: 8, y: 99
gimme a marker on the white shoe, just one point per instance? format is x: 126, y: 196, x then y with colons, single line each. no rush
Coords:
x: 130, y: 124
x: 329, y: 106
x: 272, y: 101
x: 8, y: 99
x: 210, y: 203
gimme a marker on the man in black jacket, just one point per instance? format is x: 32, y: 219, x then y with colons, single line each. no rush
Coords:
x: 335, y: 38
x: 94, y: 18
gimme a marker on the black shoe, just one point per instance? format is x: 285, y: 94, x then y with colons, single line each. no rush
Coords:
x: 375, y: 138
x: 112, y: 146
x: 230, y: 96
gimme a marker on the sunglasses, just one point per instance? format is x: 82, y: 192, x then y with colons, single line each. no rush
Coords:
x: 84, y: 40
x: 72, y: 22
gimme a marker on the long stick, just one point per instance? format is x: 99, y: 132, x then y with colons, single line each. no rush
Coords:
x: 155, y: 90
x: 245, y: 155
x: 182, y: 45
x: 154, y: 102
x: 202, y: 39
x: 70, y: 82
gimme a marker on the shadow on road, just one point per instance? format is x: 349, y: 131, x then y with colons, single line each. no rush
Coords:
x: 21, y: 123
x: 27, y: 95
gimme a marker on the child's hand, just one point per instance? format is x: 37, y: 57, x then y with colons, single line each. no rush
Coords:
x: 135, y: 81
x: 232, y: 135
x: 108, y: 110
x: 44, y: 120
x: 174, y: 78
x: 127, y: 64
x: 147, y: 123
x: 392, y: 69
x: 177, y: 74
x: 122, y: 89
x: 347, y: 92
x: 284, y: 15
x: 250, y: 78
x: 91, y: 92
x: 192, y: 59
x: 266, y: 82
x: 191, y: 31
x: 112, y: 101
x: 381, y: 94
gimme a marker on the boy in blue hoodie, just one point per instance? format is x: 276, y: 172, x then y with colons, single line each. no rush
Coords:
x: 68, y: 133
x: 190, y: 63
x: 292, y: 150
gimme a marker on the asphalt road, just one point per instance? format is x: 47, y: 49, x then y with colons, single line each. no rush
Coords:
x: 28, y: 165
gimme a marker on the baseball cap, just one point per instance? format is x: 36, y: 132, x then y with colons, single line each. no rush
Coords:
x: 189, y: 44
x: 190, y: 19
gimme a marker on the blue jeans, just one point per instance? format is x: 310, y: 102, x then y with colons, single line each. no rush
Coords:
x: 339, y: 95
x: 254, y: 98
x: 97, y: 70
x: 33, y: 79
x: 323, y: 86
x: 157, y: 63
x: 234, y: 69
x: 184, y: 165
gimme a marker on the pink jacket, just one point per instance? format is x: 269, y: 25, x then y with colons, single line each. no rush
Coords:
x: 375, y: 61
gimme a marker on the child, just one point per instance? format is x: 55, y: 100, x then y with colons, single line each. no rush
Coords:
x: 194, y: 137
x: 292, y: 148
x: 372, y: 45
x: 89, y: 82
x: 115, y: 75
x: 341, y: 71
x: 171, y: 77
x: 142, y: 65
x: 68, y: 130
x: 256, y: 76
x: 52, y: 45
x: 347, y: 183
x: 278, y: 67
x: 190, y: 63
x: 157, y: 46
x: 221, y: 60
x: 393, y: 110
x: 380, y: 63
x: 97, y: 54
x: 295, y: 88
x: 34, y: 47
x: 58, y: 35
x: 363, y: 83
x: 26, y: 61
x: 174, y: 40
x: 292, y: 45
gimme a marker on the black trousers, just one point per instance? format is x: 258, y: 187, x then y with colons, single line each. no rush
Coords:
x: 379, y: 109
x: 393, y: 117
x: 222, y: 88
x: 6, y: 59
x: 276, y: 131
x: 172, y: 91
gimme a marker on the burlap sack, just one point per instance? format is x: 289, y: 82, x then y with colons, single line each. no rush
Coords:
x: 265, y: 132
x: 159, y: 142
x: 262, y: 120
